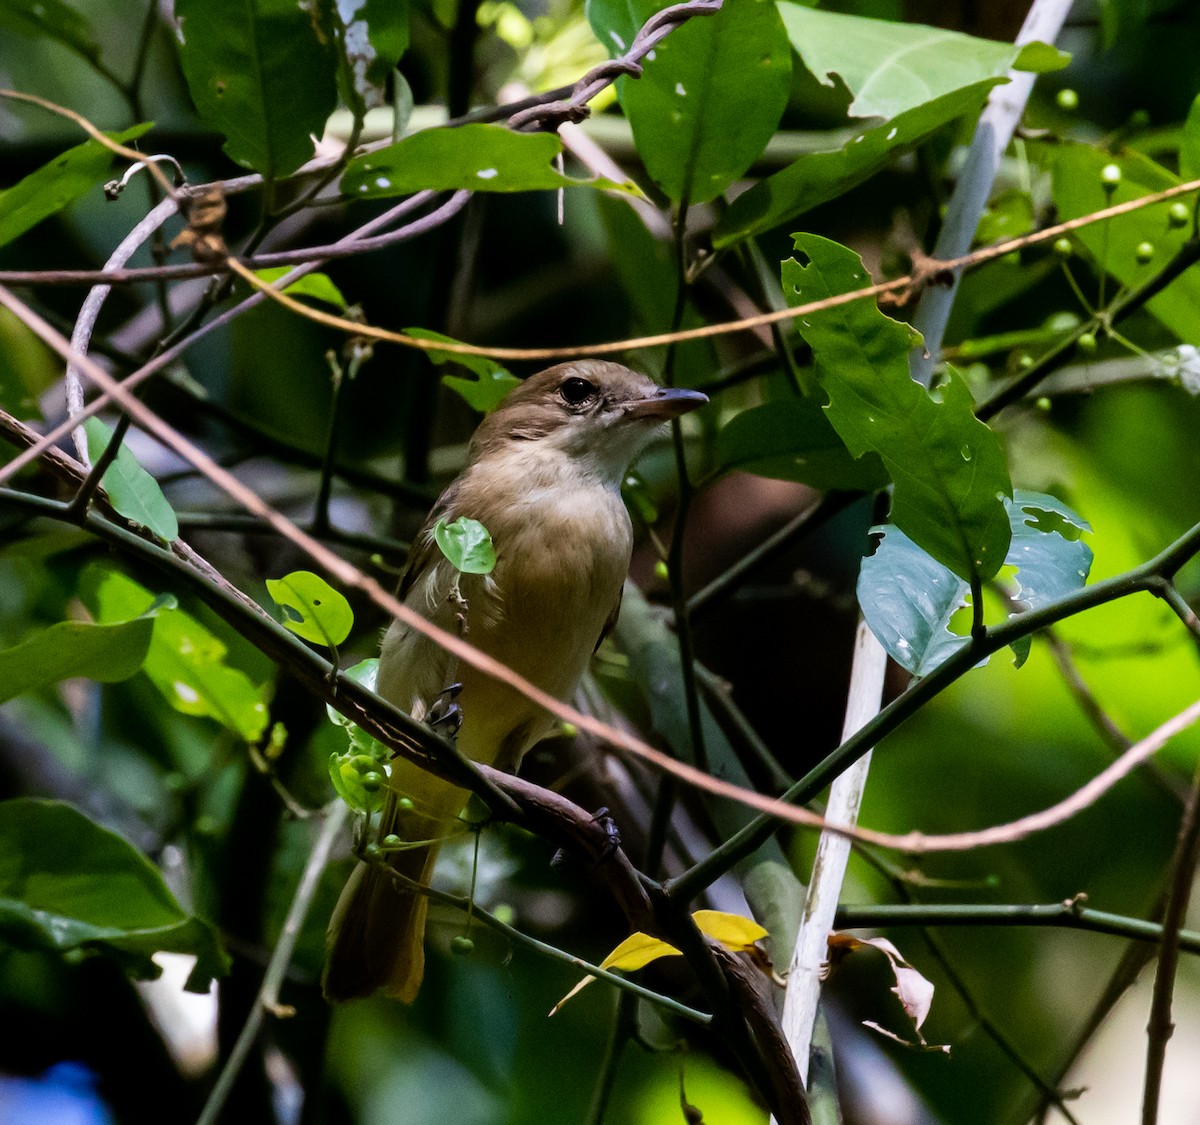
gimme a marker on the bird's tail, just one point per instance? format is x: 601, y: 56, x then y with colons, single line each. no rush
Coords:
x: 377, y: 932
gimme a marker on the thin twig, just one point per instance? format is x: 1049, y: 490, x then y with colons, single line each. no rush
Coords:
x: 1183, y: 874
x: 336, y: 813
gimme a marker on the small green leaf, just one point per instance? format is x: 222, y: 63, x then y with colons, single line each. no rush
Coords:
x: 105, y: 652
x: 467, y: 544
x: 791, y: 439
x: 66, y: 884
x: 318, y: 286
x: 260, y: 74
x: 186, y: 663
x: 890, y: 67
x: 132, y: 490
x: 483, y: 393
x: 48, y: 190
x: 322, y: 614
x: 948, y: 468
x: 470, y: 157
x: 711, y: 94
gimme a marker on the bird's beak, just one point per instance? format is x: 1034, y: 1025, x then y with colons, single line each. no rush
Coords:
x: 666, y: 402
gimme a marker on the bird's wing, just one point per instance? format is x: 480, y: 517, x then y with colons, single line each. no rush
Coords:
x: 425, y: 552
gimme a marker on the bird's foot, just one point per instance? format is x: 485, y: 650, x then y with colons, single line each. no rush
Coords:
x: 446, y: 715
x: 612, y: 835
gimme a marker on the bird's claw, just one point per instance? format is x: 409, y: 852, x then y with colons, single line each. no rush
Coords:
x: 446, y: 715
x: 612, y: 834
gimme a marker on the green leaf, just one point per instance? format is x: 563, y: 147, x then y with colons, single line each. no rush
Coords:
x: 321, y: 614
x: 132, y: 490
x: 820, y: 176
x: 363, y: 755
x: 470, y: 157
x: 48, y: 190
x: 371, y: 36
x: 51, y: 18
x: 67, y: 885
x: 909, y: 599
x: 1113, y: 244
x: 1189, y: 143
x: 791, y: 439
x: 487, y: 390
x: 890, y: 68
x: 259, y: 73
x: 948, y: 468
x: 185, y: 662
x: 106, y: 652
x: 318, y: 286
x: 467, y: 544
x: 710, y: 96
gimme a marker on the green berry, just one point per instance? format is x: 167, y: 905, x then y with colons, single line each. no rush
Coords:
x: 1063, y: 247
x: 372, y: 782
x: 1067, y: 99
x: 1043, y: 404
x: 372, y: 851
x: 1178, y: 215
x: 661, y: 570
x: 1025, y: 362
x: 569, y: 730
x: 1144, y: 251
x: 391, y: 840
x: 462, y: 946
x: 405, y: 803
x: 1110, y: 176
x: 1087, y: 343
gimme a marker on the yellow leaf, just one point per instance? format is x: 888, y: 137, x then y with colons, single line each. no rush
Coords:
x: 637, y: 950
x: 731, y: 930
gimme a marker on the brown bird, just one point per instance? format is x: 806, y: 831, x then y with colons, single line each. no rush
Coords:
x: 544, y: 477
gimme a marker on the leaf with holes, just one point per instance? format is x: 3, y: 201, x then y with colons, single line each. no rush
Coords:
x: 315, y: 610
x: 909, y: 599
x: 477, y: 157
x: 947, y: 466
x: 132, y: 490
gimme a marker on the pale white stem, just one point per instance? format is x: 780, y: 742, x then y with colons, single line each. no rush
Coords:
x: 89, y: 313
x: 829, y: 868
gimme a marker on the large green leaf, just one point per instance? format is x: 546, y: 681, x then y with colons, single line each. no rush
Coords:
x: 48, y: 190
x: 467, y: 158
x: 370, y: 36
x: 185, y: 661
x: 948, y: 469
x: 133, y: 491
x: 259, y: 73
x: 791, y: 439
x: 1113, y: 245
x: 710, y: 96
x: 890, y: 68
x: 909, y: 599
x: 820, y: 176
x: 66, y: 884
x: 50, y: 18
x: 106, y: 652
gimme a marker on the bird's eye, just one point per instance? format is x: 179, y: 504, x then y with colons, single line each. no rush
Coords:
x: 576, y: 391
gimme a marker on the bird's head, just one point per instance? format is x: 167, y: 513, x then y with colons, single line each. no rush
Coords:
x: 597, y: 413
